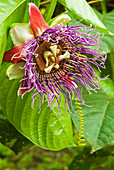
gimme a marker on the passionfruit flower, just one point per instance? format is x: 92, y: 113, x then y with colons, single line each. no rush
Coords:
x: 54, y: 61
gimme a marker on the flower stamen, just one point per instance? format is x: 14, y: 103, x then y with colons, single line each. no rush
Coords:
x: 49, y: 55
x: 62, y: 64
x: 54, y: 49
x: 64, y: 56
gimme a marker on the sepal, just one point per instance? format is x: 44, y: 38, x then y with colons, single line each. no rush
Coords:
x: 21, y: 33
x: 15, y: 51
x: 37, y: 21
x: 62, y: 19
x: 15, y: 71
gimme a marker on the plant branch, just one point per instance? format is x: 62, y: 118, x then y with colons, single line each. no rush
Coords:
x: 94, y: 1
x: 103, y: 7
x: 45, y: 2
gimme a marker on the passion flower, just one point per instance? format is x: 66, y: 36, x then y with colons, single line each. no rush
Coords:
x: 57, y: 61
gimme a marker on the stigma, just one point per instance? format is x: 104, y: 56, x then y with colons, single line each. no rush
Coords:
x: 49, y: 56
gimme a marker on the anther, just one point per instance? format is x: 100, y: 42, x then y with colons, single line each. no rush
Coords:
x: 48, y: 69
x: 66, y: 55
x: 56, y: 66
x: 53, y: 49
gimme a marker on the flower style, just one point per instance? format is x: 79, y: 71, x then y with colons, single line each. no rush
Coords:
x: 55, y: 60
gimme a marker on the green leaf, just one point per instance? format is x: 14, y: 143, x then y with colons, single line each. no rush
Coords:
x: 108, y: 21
x: 108, y: 86
x: 98, y: 119
x: 47, y: 129
x: 10, y: 137
x: 11, y: 12
x: 106, y: 40
x: 82, y: 10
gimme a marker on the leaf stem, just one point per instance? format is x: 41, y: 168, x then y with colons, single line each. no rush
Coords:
x: 50, y: 10
x: 94, y: 1
x: 45, y: 2
x: 103, y: 7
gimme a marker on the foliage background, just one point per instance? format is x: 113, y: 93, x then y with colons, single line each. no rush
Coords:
x: 98, y: 120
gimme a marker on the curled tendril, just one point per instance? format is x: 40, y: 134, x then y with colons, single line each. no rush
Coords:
x: 81, y: 141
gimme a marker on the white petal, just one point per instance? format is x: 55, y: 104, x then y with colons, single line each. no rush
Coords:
x: 62, y: 19
x: 21, y: 34
x: 16, y: 70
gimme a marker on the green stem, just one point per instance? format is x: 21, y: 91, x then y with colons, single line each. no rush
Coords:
x: 103, y: 7
x: 50, y: 10
x: 45, y: 2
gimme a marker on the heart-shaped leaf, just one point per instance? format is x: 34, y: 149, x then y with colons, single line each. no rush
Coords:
x: 46, y: 129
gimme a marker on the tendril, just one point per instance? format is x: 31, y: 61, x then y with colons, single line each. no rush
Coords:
x: 81, y: 141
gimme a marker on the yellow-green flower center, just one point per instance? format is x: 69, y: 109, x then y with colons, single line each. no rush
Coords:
x: 49, y: 56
